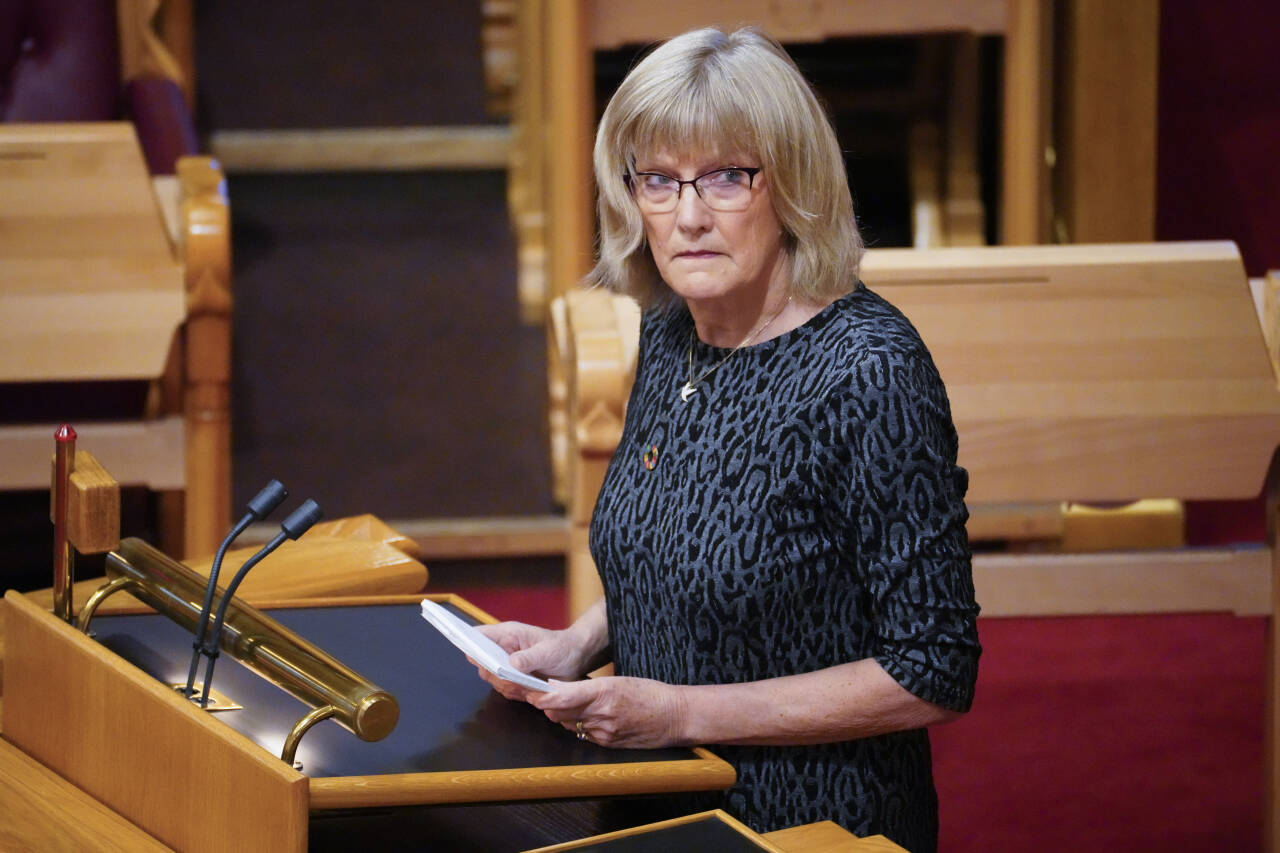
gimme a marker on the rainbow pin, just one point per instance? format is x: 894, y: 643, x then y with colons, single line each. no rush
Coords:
x: 650, y: 457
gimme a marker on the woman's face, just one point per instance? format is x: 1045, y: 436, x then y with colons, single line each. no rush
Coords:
x: 705, y: 255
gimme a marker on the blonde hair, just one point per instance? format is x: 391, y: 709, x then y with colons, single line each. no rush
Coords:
x: 708, y: 92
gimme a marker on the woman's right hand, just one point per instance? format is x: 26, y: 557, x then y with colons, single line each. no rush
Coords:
x: 537, y: 651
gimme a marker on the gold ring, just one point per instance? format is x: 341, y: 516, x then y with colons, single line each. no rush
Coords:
x: 581, y: 734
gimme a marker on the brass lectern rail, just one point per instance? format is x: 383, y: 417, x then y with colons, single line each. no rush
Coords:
x: 259, y: 642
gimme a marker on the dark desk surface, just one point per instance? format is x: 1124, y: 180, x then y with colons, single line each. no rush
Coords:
x: 450, y: 720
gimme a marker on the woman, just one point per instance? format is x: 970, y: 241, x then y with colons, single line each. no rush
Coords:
x: 781, y: 530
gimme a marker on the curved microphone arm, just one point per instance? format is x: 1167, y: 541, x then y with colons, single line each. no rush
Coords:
x: 262, y: 505
x: 297, y: 523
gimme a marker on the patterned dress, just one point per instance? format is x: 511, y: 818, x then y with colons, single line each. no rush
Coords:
x: 803, y: 509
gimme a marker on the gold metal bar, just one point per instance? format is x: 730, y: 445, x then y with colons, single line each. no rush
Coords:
x: 64, y: 461
x: 100, y: 595
x: 259, y: 642
x: 300, y: 728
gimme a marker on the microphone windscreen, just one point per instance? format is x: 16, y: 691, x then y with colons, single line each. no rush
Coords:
x: 265, y: 501
x: 301, y: 519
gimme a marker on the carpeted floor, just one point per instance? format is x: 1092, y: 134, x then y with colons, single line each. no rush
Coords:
x: 1135, y: 733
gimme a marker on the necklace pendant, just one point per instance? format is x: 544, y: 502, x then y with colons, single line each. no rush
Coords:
x: 686, y: 392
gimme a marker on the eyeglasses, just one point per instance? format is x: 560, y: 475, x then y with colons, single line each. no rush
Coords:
x: 724, y: 190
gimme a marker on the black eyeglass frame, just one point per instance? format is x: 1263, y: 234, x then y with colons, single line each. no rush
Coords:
x: 751, y: 171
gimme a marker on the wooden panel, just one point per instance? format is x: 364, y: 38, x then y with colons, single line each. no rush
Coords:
x: 144, y: 453
x: 618, y: 22
x: 90, y: 286
x: 362, y: 149
x: 323, y: 565
x: 1105, y: 175
x: 138, y: 747
x: 1173, y: 581
x: 1145, y: 524
x: 312, y: 567
x: 486, y: 538
x: 529, y: 783
x: 39, y: 810
x: 1019, y: 521
x: 93, y: 506
x: 1094, y: 372
x: 1025, y: 131
x: 205, y: 220
x: 368, y: 528
x: 570, y: 128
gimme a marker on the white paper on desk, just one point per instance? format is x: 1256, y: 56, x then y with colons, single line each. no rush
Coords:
x: 478, y: 647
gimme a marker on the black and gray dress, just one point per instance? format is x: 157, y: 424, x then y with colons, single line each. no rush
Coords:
x: 803, y: 509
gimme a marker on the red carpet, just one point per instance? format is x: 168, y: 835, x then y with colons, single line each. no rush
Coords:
x: 1134, y: 733
x: 1138, y: 733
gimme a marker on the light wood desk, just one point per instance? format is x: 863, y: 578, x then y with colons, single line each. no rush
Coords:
x: 100, y: 270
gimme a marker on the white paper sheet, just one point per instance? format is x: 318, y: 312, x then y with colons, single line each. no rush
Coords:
x: 478, y: 647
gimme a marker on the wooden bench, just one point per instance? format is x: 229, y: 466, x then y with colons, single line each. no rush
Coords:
x: 1100, y: 373
x: 99, y: 285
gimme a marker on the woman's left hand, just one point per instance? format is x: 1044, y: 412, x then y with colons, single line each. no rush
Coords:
x: 627, y: 713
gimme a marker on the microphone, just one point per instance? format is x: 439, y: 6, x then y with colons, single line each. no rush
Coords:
x: 297, y: 523
x: 262, y: 505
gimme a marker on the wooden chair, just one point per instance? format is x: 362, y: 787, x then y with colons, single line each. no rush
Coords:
x: 98, y: 289
x: 117, y: 296
x: 1099, y: 373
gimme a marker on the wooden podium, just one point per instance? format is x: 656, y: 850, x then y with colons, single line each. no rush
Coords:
x: 97, y: 713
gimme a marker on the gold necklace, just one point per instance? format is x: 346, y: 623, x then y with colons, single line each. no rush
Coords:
x: 690, y: 387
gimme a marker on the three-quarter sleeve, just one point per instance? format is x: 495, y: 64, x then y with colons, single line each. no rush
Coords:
x: 906, y: 520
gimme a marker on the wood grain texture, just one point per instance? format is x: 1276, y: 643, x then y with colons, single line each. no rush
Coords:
x: 1025, y: 127
x: 93, y: 506
x: 487, y: 538
x: 705, y: 773
x: 1106, y: 372
x: 136, y: 452
x: 205, y: 373
x: 1161, y: 581
x: 618, y: 22
x: 568, y: 133
x: 362, y: 149
x: 39, y: 810
x: 1148, y: 523
x: 341, y: 563
x: 133, y: 744
x: 369, y: 528
x: 322, y: 565
x: 142, y: 51
x: 76, y: 208
x: 1105, y: 128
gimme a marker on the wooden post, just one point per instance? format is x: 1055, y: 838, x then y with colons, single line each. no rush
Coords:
x: 206, y: 223
x: 570, y: 110
x: 1105, y: 169
x: 526, y: 177
x: 1024, y: 209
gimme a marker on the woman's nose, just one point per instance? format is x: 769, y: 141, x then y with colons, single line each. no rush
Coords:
x: 692, y: 212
